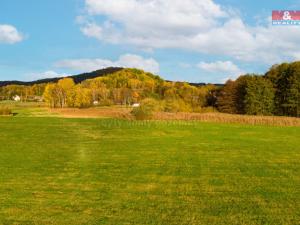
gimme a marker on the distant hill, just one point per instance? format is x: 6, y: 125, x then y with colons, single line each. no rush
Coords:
x: 78, y: 78
x: 203, y: 84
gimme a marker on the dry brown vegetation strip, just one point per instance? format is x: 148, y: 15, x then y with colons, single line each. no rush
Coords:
x: 124, y: 113
x: 229, y: 118
x: 103, y: 112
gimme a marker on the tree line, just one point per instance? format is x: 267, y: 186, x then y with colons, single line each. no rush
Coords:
x: 26, y: 93
x: 275, y: 93
x: 126, y: 87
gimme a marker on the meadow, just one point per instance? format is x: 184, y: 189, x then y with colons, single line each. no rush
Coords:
x: 57, y: 170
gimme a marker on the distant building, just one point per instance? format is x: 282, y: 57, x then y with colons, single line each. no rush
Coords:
x: 96, y: 103
x: 17, y: 98
x: 136, y: 105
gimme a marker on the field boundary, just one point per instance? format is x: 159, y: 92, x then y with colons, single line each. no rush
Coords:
x: 124, y: 113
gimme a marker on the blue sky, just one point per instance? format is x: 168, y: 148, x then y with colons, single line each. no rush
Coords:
x: 192, y: 40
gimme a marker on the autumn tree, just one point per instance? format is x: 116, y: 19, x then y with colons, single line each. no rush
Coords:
x: 82, y: 97
x: 58, y: 95
x: 259, y: 98
x: 227, y: 98
x: 50, y: 95
x: 64, y: 88
x: 286, y: 81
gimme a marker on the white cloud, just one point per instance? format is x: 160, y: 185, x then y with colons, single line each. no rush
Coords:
x: 158, y: 14
x: 193, y: 25
x: 144, y: 23
x: 227, y: 69
x: 126, y: 61
x: 44, y: 75
x: 92, y: 30
x: 9, y: 34
x: 219, y: 66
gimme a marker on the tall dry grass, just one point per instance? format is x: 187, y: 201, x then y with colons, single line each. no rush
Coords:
x: 124, y: 113
x: 5, y: 111
x: 229, y: 118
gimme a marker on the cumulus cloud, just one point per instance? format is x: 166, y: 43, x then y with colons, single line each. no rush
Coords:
x: 9, y: 34
x: 225, y: 68
x: 193, y: 25
x: 146, y: 23
x: 126, y: 61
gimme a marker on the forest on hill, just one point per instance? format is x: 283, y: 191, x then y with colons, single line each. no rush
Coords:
x: 275, y: 93
x: 77, y: 78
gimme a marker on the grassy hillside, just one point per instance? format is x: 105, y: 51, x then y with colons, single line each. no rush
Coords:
x: 93, y: 171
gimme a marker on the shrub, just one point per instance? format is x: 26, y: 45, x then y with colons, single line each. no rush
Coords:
x: 141, y: 113
x: 146, y: 109
x: 5, y: 111
x: 176, y: 105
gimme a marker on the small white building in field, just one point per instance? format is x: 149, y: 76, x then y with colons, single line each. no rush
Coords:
x: 136, y: 105
x: 17, y: 98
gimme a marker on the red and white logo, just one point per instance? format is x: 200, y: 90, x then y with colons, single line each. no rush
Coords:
x: 286, y: 17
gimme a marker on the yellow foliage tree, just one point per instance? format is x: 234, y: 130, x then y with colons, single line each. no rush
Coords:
x: 83, y: 97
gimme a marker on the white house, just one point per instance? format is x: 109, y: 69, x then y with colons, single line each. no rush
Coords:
x: 136, y: 105
x: 17, y: 98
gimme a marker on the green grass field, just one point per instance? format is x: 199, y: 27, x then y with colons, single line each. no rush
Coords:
x: 102, y: 171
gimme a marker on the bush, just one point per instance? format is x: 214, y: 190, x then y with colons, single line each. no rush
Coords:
x: 176, y: 105
x: 146, y: 109
x: 5, y: 111
x: 142, y: 113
